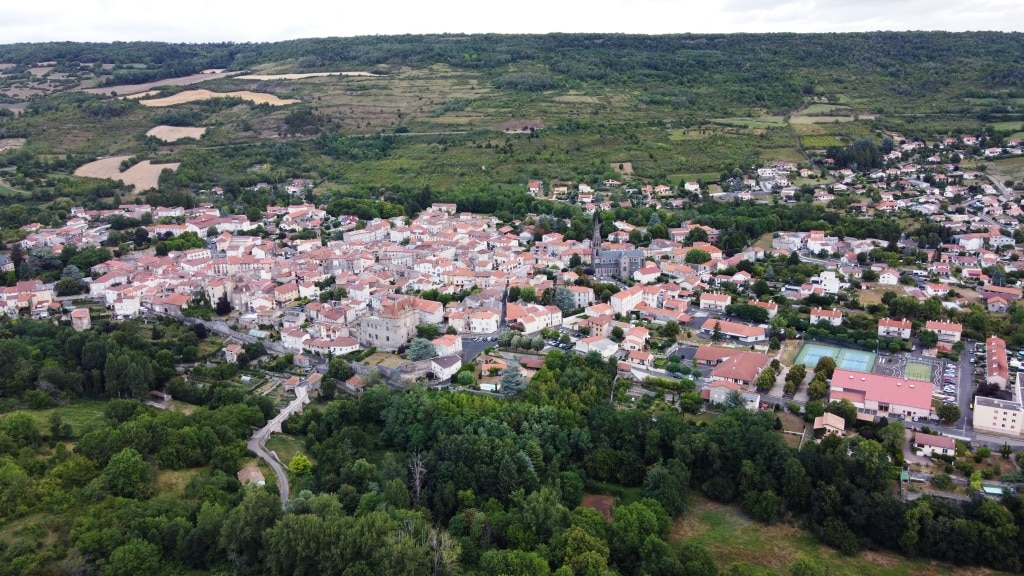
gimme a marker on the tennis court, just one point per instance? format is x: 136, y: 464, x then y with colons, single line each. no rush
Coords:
x: 845, y: 358
x: 918, y: 371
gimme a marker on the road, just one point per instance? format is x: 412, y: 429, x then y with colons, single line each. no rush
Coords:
x: 258, y: 441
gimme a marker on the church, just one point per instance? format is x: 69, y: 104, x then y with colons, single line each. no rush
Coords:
x: 608, y: 263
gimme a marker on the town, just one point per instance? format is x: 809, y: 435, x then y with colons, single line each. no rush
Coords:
x: 450, y: 298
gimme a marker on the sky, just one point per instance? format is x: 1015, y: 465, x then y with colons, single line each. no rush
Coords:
x: 269, y: 20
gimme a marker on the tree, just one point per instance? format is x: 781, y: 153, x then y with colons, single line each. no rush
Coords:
x: 128, y: 373
x: 128, y: 475
x: 668, y: 483
x: 67, y: 287
x: 697, y: 256
x: 948, y: 413
x: 512, y: 381
x: 135, y: 557
x: 817, y: 389
x: 421, y: 349
x: 825, y: 367
x: 696, y: 235
x: 765, y: 380
x: 929, y: 338
x: 241, y: 535
x: 669, y: 330
x: 71, y: 271
x: 716, y: 334
x: 340, y: 370
x: 300, y: 465
x: 427, y: 331
x: 564, y: 299
x: 618, y: 334
x: 223, y: 307
x: 773, y: 344
x: 734, y: 399
x: 844, y: 409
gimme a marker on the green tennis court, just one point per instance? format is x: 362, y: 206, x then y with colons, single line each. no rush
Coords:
x: 918, y: 371
x: 845, y: 358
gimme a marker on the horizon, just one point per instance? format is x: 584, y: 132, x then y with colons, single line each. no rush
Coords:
x: 195, y: 22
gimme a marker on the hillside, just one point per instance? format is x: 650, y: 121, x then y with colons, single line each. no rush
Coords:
x: 483, y: 113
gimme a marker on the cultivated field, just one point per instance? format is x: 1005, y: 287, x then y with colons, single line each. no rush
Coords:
x: 828, y: 119
x: 301, y: 76
x: 144, y: 175
x: 11, y: 143
x: 136, y: 88
x: 175, y: 133
x: 198, y: 95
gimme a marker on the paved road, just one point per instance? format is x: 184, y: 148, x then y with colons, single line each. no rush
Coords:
x: 257, y: 443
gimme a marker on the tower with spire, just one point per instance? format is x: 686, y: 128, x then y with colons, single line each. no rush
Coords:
x: 595, y: 242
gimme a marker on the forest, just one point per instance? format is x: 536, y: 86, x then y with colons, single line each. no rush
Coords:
x: 427, y: 482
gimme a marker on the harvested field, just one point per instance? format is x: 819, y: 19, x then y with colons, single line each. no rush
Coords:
x: 145, y: 94
x: 175, y: 133
x: 197, y: 95
x: 143, y: 176
x: 301, y: 76
x: 41, y: 71
x: 136, y: 88
x: 11, y: 143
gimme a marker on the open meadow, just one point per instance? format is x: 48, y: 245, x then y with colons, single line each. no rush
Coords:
x: 143, y: 175
x: 199, y: 95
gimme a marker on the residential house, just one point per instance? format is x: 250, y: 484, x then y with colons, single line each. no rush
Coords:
x: 996, y: 367
x: 930, y: 444
x: 742, y: 367
x: 948, y: 332
x: 739, y: 331
x: 830, y: 423
x: 231, y: 353
x: 897, y: 329
x: 444, y: 367
x: 833, y: 317
x: 80, y: 319
x: 714, y: 301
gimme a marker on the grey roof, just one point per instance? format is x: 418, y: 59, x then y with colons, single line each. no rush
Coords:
x: 997, y: 403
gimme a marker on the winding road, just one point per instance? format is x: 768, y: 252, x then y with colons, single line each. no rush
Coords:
x: 258, y: 441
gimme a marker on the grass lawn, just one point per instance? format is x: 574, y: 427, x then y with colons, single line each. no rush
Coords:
x: 83, y: 415
x: 790, y: 350
x: 175, y: 481
x: 1011, y: 167
x: 733, y: 539
x: 916, y: 371
x: 286, y: 447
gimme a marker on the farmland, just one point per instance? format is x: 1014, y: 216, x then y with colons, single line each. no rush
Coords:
x: 175, y: 133
x: 199, y: 95
x: 143, y: 175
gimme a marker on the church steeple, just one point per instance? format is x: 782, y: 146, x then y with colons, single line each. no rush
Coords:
x: 595, y: 242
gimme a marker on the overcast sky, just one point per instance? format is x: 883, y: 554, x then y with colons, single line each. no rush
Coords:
x: 266, y: 20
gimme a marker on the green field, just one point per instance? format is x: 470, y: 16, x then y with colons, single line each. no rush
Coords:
x: 1013, y: 125
x: 918, y: 371
x: 758, y: 122
x: 286, y: 447
x: 1009, y: 167
x: 820, y: 141
x: 83, y: 415
x: 821, y: 109
x: 735, y: 540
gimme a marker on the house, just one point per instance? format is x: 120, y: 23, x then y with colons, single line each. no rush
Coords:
x: 833, y: 317
x: 742, y: 332
x: 877, y: 396
x: 231, y: 353
x: 948, y: 332
x: 80, y: 319
x: 997, y: 304
x: 830, y: 423
x: 930, y: 444
x: 889, y: 277
x: 623, y: 302
x: 447, y: 344
x: 603, y: 346
x: 712, y: 355
x: 251, y: 475
x: 743, y: 367
x: 718, y: 391
x: 996, y: 368
x: 713, y: 301
x: 484, y: 321
x: 647, y: 274
x: 444, y: 367
x: 897, y: 329
x: 583, y: 295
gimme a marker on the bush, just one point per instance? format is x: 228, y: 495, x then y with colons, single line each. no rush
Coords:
x: 942, y: 482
